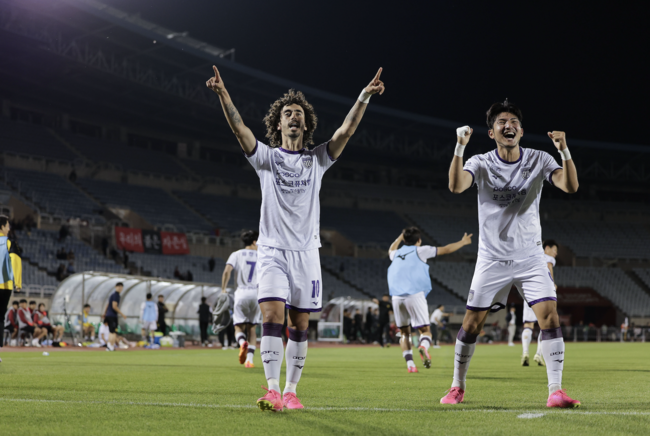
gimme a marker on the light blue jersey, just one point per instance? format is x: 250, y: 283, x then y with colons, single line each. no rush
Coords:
x: 150, y: 312
x: 408, y: 274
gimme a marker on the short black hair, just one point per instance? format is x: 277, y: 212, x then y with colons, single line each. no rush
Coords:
x: 249, y: 236
x: 32, y: 302
x: 411, y: 235
x: 86, y: 305
x: 549, y: 243
x: 160, y: 296
x: 119, y: 284
x: 203, y: 299
x: 23, y: 301
x: 499, y: 108
x: 4, y: 219
x: 149, y: 296
x: 14, y: 302
x: 41, y: 304
x: 440, y: 305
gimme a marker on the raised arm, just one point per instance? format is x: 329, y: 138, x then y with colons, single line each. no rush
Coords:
x: 567, y: 178
x: 345, y: 132
x: 459, y: 180
x: 225, y: 278
x: 447, y: 249
x: 395, y: 245
x: 244, y: 135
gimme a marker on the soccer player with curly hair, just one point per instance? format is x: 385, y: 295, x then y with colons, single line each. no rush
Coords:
x: 289, y: 273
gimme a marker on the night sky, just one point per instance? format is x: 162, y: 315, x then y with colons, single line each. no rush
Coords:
x: 578, y: 69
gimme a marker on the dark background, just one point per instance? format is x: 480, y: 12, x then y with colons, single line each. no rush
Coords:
x: 575, y: 66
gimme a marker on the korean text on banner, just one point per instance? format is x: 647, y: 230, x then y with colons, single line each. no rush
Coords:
x: 174, y: 243
x: 128, y: 239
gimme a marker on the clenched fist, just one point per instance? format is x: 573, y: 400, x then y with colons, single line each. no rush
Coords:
x: 559, y: 139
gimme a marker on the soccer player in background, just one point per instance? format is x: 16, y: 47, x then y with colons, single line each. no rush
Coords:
x: 436, y: 322
x: 43, y: 321
x: 289, y: 264
x: 148, y: 318
x: 87, y: 327
x: 110, y: 315
x: 7, y: 276
x: 409, y: 284
x: 550, y: 253
x: 26, y: 324
x: 246, y: 313
x: 11, y: 320
x: 509, y: 181
x: 511, y: 319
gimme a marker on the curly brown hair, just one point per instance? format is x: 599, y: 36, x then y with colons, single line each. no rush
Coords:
x: 272, y: 118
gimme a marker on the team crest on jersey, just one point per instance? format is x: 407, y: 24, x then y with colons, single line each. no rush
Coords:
x: 525, y: 172
x: 471, y: 296
x: 307, y: 161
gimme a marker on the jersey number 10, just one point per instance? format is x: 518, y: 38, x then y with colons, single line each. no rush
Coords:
x: 315, y: 288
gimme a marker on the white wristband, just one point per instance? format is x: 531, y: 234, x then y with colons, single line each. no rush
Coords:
x: 565, y: 154
x: 364, y: 97
x: 460, y: 150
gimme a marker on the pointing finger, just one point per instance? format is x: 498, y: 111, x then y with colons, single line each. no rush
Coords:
x: 378, y: 74
x: 216, y: 72
x: 471, y: 234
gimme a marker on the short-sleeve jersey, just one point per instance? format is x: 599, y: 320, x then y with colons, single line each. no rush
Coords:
x: 290, y: 182
x: 549, y: 259
x: 110, y: 311
x: 508, y: 202
x: 244, y: 262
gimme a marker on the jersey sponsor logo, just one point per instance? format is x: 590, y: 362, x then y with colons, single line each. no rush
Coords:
x: 307, y: 161
x: 505, y: 188
x: 403, y: 256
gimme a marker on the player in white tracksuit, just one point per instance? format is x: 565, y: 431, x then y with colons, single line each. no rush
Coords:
x: 509, y: 180
x: 246, y: 314
x: 289, y: 264
x: 550, y: 252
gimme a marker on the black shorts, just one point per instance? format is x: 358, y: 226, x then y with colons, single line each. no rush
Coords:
x: 29, y: 329
x: 49, y: 328
x: 112, y: 323
x: 10, y: 328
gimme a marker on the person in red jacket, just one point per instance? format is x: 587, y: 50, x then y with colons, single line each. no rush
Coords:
x: 43, y: 321
x: 26, y: 324
x: 11, y: 320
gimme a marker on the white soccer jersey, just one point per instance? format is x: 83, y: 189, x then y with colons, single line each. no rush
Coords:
x: 244, y: 262
x: 549, y: 259
x: 290, y: 182
x: 508, y: 202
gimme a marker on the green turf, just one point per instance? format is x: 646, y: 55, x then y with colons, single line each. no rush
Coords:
x: 207, y: 392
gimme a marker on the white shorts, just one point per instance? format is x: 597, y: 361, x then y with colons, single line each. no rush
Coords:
x: 151, y: 326
x: 411, y: 310
x: 529, y: 315
x: 246, y: 310
x: 293, y: 277
x: 493, y: 280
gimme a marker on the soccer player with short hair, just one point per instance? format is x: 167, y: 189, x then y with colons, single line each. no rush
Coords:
x: 246, y: 313
x: 110, y: 315
x: 409, y: 284
x: 509, y: 181
x: 289, y: 264
x: 148, y: 318
x: 550, y: 253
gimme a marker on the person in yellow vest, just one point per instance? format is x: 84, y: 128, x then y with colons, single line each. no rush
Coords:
x: 88, y: 327
x: 7, y: 277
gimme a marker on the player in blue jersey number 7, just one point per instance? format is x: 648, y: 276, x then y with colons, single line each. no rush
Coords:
x: 289, y: 272
x: 509, y: 181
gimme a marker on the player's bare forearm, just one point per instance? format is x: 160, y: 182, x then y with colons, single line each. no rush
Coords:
x: 225, y: 278
x: 567, y: 178
x: 244, y: 134
x: 395, y: 245
x: 345, y: 132
x: 459, y: 180
x: 450, y: 248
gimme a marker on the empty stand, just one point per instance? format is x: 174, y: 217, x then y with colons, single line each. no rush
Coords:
x: 230, y: 213
x: 363, y: 226
x: 445, y: 230
x: 34, y: 140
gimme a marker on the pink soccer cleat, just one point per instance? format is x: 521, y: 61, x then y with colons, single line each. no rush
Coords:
x: 290, y: 401
x: 454, y: 396
x: 413, y: 369
x: 242, y: 352
x: 271, y: 401
x: 249, y: 365
x: 559, y: 398
x: 426, y: 357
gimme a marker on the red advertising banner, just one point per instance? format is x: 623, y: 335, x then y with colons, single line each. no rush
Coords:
x: 128, y: 239
x: 174, y: 243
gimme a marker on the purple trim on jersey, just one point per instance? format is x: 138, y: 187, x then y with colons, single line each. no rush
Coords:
x: 291, y: 151
x: 551, y: 333
x: 328, y: 151
x: 420, y: 326
x: 542, y: 299
x: 298, y: 335
x: 472, y: 173
x: 463, y: 336
x: 254, y: 150
x: 521, y: 154
x: 550, y: 176
x: 408, y: 356
x: 272, y: 329
x: 264, y: 300
x: 301, y: 310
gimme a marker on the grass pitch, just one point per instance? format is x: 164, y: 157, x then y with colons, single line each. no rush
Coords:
x: 355, y: 390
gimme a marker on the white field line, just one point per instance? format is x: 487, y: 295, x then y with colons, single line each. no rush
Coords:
x: 355, y: 409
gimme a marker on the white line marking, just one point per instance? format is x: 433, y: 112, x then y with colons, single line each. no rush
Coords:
x: 342, y: 409
x: 530, y: 415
